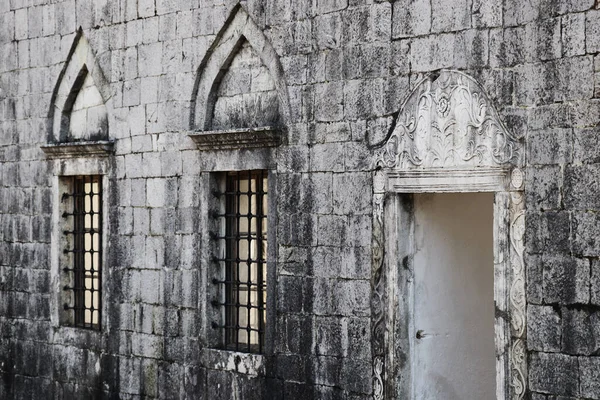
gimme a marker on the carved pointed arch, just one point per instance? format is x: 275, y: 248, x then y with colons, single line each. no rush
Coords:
x: 237, y: 30
x: 81, y: 74
x: 449, y: 121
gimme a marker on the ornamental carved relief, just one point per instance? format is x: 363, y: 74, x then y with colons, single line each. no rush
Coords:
x: 448, y: 121
x: 517, y: 297
x: 448, y: 137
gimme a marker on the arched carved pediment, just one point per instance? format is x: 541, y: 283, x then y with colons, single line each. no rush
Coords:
x: 449, y: 122
x: 78, y: 106
x: 238, y: 33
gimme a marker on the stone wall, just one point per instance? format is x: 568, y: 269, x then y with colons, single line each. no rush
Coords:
x: 346, y: 66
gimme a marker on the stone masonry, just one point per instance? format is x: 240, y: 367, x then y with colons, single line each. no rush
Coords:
x: 338, y: 73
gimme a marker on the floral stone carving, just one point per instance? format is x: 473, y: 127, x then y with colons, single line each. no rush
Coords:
x: 448, y: 121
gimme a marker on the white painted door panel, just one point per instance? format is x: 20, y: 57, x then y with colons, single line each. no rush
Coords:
x: 454, y: 358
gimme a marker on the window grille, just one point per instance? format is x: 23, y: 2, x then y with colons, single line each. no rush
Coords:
x: 83, y: 234
x: 243, y: 260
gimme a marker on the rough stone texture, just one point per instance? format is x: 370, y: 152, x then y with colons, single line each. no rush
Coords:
x: 347, y: 68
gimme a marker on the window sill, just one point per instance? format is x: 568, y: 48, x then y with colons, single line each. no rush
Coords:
x: 237, y: 139
x: 78, y: 337
x: 100, y: 148
x: 226, y: 360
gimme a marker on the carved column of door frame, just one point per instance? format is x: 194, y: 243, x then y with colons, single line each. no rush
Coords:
x: 391, y: 302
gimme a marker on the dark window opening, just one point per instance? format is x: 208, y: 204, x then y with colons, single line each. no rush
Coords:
x: 243, y: 259
x: 83, y: 223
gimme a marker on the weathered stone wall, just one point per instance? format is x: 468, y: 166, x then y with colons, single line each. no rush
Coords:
x: 347, y: 65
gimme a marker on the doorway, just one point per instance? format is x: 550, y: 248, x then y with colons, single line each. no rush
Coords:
x: 453, y: 349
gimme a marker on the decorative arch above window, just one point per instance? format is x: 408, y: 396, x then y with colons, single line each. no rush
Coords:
x: 78, y: 114
x: 240, y: 97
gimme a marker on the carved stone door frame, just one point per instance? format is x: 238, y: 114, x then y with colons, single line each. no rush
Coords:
x: 447, y: 138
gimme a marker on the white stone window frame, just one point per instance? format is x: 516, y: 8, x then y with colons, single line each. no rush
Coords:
x: 212, y: 355
x: 63, y: 168
x: 409, y: 163
x: 245, y: 149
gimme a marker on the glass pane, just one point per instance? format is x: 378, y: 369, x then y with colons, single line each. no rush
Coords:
x: 88, y: 241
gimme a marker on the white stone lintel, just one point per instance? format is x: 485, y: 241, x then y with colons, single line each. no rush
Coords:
x: 237, y: 139
x: 429, y: 180
x: 100, y: 148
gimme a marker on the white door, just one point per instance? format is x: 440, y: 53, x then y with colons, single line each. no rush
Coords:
x: 453, y: 343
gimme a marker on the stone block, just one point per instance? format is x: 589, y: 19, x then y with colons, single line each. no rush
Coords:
x: 432, y: 52
x: 566, y: 280
x: 131, y: 93
x: 146, y: 8
x: 519, y: 13
x: 141, y: 221
x: 189, y: 288
x: 471, y: 49
x: 585, y: 113
x: 141, y: 143
x: 581, y: 187
x: 551, y: 116
x: 449, y: 16
x: 154, y: 254
x: 326, y: 158
x: 352, y: 376
x: 329, y: 99
x: 327, y: 6
x: 550, y: 146
x: 357, y: 25
x: 351, y: 297
x: 595, y: 283
x: 151, y: 290
x: 536, y: 84
x: 375, y: 60
x: 544, y: 329
x: 356, y: 156
x: 291, y: 297
x: 586, y: 234
x: 580, y: 331
x: 151, y: 164
x: 149, y: 60
x: 486, y: 13
x: 134, y: 32
x: 332, y: 230
x: 155, y: 192
x: 150, y: 30
x: 34, y: 23
x: 327, y: 261
x: 573, y: 78
x: 322, y: 192
x: 328, y: 336
x: 352, y: 193
x: 359, y: 98
x: 573, y: 35
x: 411, y: 18
x: 592, y: 31
x: 544, y: 185
x: 543, y: 40
x: 589, y: 375
x: 327, y: 371
x: 356, y: 263
x: 584, y: 145
x: 149, y: 346
x: 138, y: 192
x: 130, y: 63
x: 554, y: 373
x: 21, y: 24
